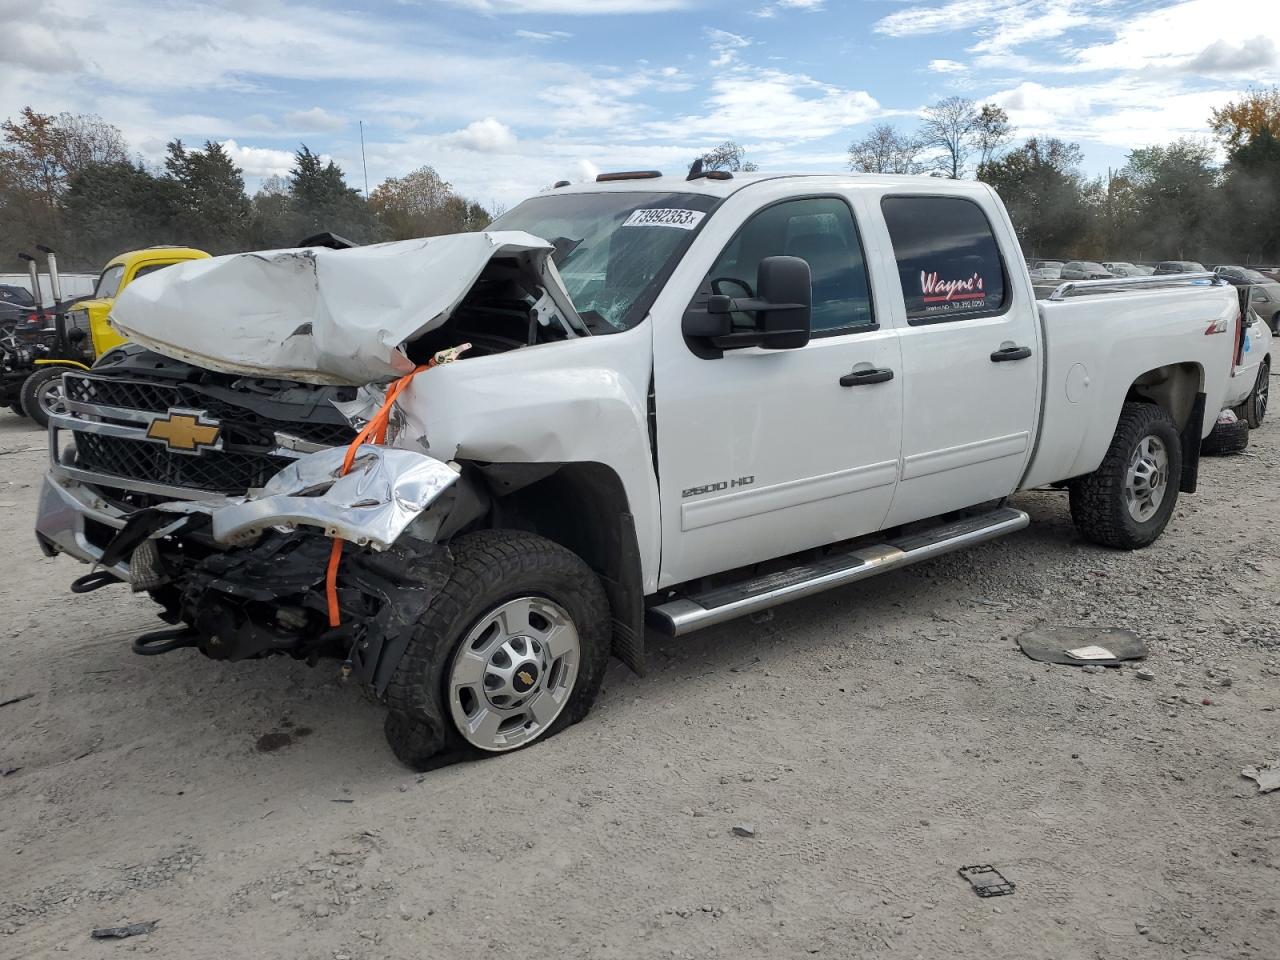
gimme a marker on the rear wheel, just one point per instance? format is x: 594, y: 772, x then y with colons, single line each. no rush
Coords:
x: 42, y: 394
x: 1127, y: 502
x: 513, y: 649
x: 1254, y: 409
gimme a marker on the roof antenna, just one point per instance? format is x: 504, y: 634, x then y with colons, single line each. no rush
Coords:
x: 695, y: 169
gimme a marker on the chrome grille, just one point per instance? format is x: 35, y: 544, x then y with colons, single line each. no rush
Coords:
x: 109, y: 420
x: 217, y: 472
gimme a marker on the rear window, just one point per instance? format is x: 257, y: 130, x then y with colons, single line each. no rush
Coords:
x: 949, y: 263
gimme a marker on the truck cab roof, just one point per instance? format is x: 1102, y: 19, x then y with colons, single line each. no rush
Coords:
x: 739, y: 181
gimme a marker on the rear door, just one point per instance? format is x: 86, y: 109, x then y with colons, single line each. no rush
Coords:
x: 971, y: 355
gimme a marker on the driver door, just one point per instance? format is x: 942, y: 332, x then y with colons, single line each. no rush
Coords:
x: 764, y: 452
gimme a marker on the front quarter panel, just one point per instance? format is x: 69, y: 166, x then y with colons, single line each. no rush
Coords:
x: 577, y: 401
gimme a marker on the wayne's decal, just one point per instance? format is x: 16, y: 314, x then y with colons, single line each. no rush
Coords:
x: 939, y: 294
x: 664, y: 217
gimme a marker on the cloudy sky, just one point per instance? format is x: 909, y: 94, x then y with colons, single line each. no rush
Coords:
x: 503, y: 97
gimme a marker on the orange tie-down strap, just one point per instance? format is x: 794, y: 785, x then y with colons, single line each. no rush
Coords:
x: 375, y: 431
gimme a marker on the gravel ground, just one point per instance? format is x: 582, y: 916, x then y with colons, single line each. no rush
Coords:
x: 874, y: 740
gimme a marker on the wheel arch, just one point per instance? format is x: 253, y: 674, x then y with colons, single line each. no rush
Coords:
x: 583, y: 507
x: 1178, y: 389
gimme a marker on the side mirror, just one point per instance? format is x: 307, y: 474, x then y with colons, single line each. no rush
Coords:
x: 782, y: 305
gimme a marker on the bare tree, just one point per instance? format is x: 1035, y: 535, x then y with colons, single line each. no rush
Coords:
x: 885, y: 150
x: 993, y: 133
x: 728, y: 156
x: 949, y: 126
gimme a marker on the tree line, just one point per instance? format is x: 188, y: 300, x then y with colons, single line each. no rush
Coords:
x: 1168, y: 202
x: 68, y: 182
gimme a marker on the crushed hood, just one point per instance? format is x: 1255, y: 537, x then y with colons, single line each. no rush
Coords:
x: 319, y: 315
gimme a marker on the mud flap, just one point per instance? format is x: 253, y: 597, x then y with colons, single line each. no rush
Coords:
x: 1191, y: 434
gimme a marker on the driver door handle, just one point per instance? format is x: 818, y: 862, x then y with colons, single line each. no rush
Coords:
x: 1010, y: 353
x: 860, y: 378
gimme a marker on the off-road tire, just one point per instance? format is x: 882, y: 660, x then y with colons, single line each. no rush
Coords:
x: 31, y: 389
x: 16, y: 407
x: 1254, y: 410
x: 1226, y: 439
x: 1098, y: 499
x: 491, y: 567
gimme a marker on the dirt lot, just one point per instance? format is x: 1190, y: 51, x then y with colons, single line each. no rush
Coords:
x: 876, y: 738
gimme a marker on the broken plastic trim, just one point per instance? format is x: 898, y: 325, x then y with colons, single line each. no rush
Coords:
x: 386, y: 490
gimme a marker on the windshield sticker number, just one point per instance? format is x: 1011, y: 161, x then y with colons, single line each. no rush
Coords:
x: 664, y: 217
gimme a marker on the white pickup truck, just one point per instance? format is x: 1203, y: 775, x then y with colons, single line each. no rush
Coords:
x: 683, y: 401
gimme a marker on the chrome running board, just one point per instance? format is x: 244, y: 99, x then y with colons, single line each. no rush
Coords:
x: 695, y: 611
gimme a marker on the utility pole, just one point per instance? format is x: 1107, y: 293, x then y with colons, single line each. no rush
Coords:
x: 363, y: 163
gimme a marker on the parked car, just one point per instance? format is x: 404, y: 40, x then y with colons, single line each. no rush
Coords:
x: 1047, y: 265
x: 1179, y: 266
x: 1046, y: 273
x: 728, y: 393
x: 1119, y: 268
x: 1085, y: 270
x: 84, y: 334
x: 15, y: 301
x: 1250, y: 385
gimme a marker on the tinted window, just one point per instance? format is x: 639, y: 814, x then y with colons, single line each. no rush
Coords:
x: 150, y: 268
x: 820, y: 231
x: 948, y: 260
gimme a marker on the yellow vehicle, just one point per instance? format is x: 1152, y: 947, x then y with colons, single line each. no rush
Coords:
x: 83, y: 332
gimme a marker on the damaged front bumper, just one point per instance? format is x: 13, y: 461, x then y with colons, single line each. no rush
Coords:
x: 246, y: 574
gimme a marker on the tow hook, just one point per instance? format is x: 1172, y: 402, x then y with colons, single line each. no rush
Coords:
x: 163, y: 641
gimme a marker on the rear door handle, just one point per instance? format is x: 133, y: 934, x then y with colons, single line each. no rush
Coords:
x: 859, y: 378
x: 1010, y: 353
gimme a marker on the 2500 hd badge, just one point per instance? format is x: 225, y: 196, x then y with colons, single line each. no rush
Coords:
x: 721, y: 485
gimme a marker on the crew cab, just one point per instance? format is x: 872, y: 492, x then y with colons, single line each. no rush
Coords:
x: 640, y: 400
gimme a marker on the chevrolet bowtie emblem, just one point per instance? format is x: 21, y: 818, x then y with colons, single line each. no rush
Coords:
x: 185, y: 431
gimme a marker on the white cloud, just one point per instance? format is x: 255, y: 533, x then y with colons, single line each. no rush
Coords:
x: 261, y: 161
x: 1000, y: 25
x: 751, y: 102
x: 34, y: 46
x: 770, y: 10
x: 1225, y: 57
x: 315, y: 119
x: 485, y: 136
x: 540, y: 37
x: 947, y: 66
x: 571, y: 7
x: 726, y: 45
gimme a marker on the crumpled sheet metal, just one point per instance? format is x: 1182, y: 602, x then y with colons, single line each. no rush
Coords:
x: 318, y: 315
x: 385, y: 491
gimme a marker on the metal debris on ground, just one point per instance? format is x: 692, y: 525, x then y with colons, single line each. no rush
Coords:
x: 25, y: 696
x: 986, y: 880
x: 1078, y: 646
x: 744, y: 830
x: 119, y: 933
x: 1267, y: 776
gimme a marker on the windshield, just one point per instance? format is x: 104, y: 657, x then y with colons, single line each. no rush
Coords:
x: 612, y: 249
x: 1253, y: 276
x: 108, y: 283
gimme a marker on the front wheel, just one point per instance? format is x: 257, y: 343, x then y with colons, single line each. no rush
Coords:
x: 512, y: 650
x: 1127, y: 502
x: 42, y: 395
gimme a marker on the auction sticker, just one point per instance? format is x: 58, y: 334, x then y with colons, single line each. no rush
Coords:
x: 664, y: 217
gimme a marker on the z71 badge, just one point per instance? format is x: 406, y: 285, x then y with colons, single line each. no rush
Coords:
x: 721, y: 485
